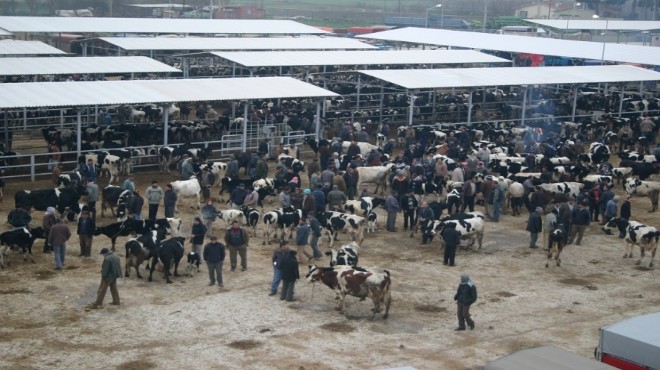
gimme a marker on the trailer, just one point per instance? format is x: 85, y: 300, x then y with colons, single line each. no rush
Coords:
x: 545, y: 358
x: 632, y: 344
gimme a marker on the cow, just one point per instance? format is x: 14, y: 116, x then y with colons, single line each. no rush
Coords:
x: 291, y: 162
x: 556, y: 243
x: 252, y: 217
x: 111, y: 164
x: 194, y: 259
x: 218, y: 170
x: 640, y: 169
x: 471, y: 228
x: 284, y: 219
x: 72, y: 178
x: 170, y: 253
x: 141, y: 249
x: 111, y: 195
x: 363, y: 206
x: 365, y: 148
x: 186, y: 189
x: 346, y: 255
x: 168, y: 155
x: 374, y: 175
x: 621, y: 173
x: 335, y: 222
x: 21, y: 239
x: 115, y: 230
x: 357, y: 282
x: 454, y: 201
x: 650, y: 189
x: 561, y: 191
x: 598, y: 179
x: 372, y: 222
x: 231, y: 215
x: 61, y: 199
x: 646, y: 237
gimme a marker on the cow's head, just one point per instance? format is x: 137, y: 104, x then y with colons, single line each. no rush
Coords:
x: 613, y: 225
x: 174, y: 227
x: 314, y: 273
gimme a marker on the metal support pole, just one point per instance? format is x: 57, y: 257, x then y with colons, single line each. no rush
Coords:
x: 435, y: 101
x: 78, y: 133
x: 469, y: 112
x: 621, y: 101
x: 96, y: 114
x: 411, y: 96
x: 24, y: 118
x: 380, y: 104
x: 6, y: 115
x: 524, y: 106
x: 61, y: 117
x: 357, y: 99
x: 575, y: 89
x: 245, y: 123
x: 166, y: 129
x: 317, y: 118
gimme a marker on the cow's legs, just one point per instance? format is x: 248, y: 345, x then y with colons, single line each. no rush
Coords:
x: 654, y: 200
x: 652, y: 256
x: 642, y: 249
x: 152, y: 268
x: 197, y: 199
x: 387, y: 301
x: 127, y: 266
x: 29, y: 252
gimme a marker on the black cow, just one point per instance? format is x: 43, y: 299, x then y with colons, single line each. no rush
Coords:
x: 252, y: 216
x: 111, y: 195
x: 61, y: 199
x: 228, y: 184
x: 315, y: 144
x: 117, y: 229
x: 640, y: 169
x: 21, y: 239
x: 72, y: 178
x: 170, y: 252
x: 142, y: 249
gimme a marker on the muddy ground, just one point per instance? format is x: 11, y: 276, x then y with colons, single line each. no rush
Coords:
x: 44, y: 322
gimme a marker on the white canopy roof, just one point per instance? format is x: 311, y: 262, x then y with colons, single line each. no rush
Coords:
x: 12, y: 47
x: 71, y: 94
x: 235, y: 43
x: 546, y: 358
x: 4, y: 33
x: 508, y: 76
x: 82, y: 65
x: 361, y: 58
x: 597, y: 24
x: 175, y: 6
x: 154, y: 25
x: 523, y: 44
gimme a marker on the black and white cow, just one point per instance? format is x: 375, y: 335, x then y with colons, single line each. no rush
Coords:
x: 61, y: 199
x: 346, y: 255
x: 20, y: 239
x: 471, y: 228
x: 454, y: 201
x: 561, y: 191
x: 170, y: 253
x: 218, y: 170
x: 231, y: 215
x: 169, y: 155
x: 556, y: 243
x: 283, y: 219
x: 252, y: 216
x: 363, y: 206
x: 621, y: 173
x: 336, y: 222
x: 110, y: 164
x: 291, y: 162
x: 641, y: 188
x: 372, y: 222
x: 72, y: 178
x: 646, y: 237
x: 111, y: 195
x: 142, y: 249
x: 194, y: 259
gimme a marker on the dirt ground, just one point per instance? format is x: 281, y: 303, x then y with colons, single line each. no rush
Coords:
x: 44, y: 323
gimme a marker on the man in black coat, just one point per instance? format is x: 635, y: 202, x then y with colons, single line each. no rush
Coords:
x: 290, y: 273
x: 535, y: 226
x: 452, y: 239
x: 466, y: 295
x: 86, y: 227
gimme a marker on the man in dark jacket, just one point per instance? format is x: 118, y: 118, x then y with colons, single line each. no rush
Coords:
x: 425, y: 213
x: 238, y: 196
x: 290, y: 274
x: 198, y: 233
x: 319, y: 199
x: 466, y: 295
x: 392, y: 207
x: 214, y: 255
x: 452, y: 239
x: 18, y: 218
x: 278, y: 256
x: 605, y: 197
x: 136, y: 205
x: 315, y: 231
x: 535, y: 226
x: 169, y: 202
x: 581, y: 220
x: 86, y: 227
x: 409, y: 205
x: 110, y: 272
x: 57, y: 238
x: 261, y: 167
x: 237, y: 240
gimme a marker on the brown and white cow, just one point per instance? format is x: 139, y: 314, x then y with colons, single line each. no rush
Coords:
x: 358, y: 282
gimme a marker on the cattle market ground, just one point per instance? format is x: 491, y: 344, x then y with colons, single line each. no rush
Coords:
x: 44, y: 322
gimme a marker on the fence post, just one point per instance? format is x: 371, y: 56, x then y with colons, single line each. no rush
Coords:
x: 245, y: 123
x: 317, y: 118
x: 32, y: 169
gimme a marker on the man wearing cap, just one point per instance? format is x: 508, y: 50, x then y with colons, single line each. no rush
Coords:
x: 611, y: 208
x: 86, y: 228
x: 466, y: 295
x: 129, y: 183
x: 535, y: 226
x: 110, y: 272
x: 392, y: 207
x: 290, y: 273
x: 335, y: 161
x: 57, y: 238
x: 319, y: 199
x: 186, y: 168
x: 237, y: 240
x: 308, y: 202
x: 154, y: 194
x: 581, y: 219
x: 214, y: 256
x: 238, y: 196
x: 198, y: 232
x: 89, y: 170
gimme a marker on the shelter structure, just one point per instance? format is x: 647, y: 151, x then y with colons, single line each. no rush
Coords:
x: 523, y: 44
x: 598, y: 24
x: 633, y: 343
x: 545, y: 358
x: 13, y: 48
x: 82, y: 65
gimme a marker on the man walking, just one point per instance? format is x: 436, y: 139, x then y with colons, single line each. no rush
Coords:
x: 466, y: 295
x: 452, y: 239
x: 535, y: 226
x: 237, y: 239
x: 278, y: 257
x: 392, y: 206
x: 302, y: 237
x: 290, y: 274
x: 198, y: 233
x: 581, y: 220
x: 209, y: 214
x: 86, y: 227
x: 136, y: 205
x: 110, y: 272
x: 57, y: 238
x: 315, y: 228
x: 154, y: 195
x: 214, y: 255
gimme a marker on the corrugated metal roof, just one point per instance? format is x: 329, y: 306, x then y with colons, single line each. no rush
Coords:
x: 154, y: 25
x: 72, y: 94
x: 235, y: 43
x: 597, y: 24
x: 361, y: 58
x: 523, y: 44
x: 83, y: 65
x: 511, y: 76
x: 12, y: 47
x: 5, y: 32
x: 177, y: 6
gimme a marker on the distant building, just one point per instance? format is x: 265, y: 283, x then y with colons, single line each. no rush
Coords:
x: 240, y: 12
x: 543, y: 9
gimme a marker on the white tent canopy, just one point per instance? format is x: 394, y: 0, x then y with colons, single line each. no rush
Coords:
x: 15, y: 48
x: 545, y: 358
x: 154, y: 25
x: 234, y: 43
x: 359, y: 58
x: 523, y: 44
x: 81, y: 65
x: 75, y: 94
x: 597, y: 24
x: 506, y: 76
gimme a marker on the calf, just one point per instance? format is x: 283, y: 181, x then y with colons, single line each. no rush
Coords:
x: 111, y: 164
x: 117, y: 229
x: 231, y: 215
x: 141, y: 249
x: 346, y: 255
x: 284, y: 219
x: 111, y: 195
x: 252, y: 217
x: 557, y: 242
x: 170, y: 253
x: 194, y: 259
x: 364, y: 206
x: 359, y: 283
x: 372, y: 222
x: 20, y: 239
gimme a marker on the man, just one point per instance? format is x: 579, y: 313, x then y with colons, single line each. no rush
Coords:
x: 315, y: 228
x: 47, y: 223
x: 312, y: 169
x: 535, y: 226
x: 302, y: 238
x: 452, y: 239
x: 327, y: 175
x: 336, y: 199
x: 297, y: 198
x: 425, y: 213
x: 198, y: 232
x: 209, y: 214
x: 625, y: 214
x: 261, y: 167
x: 351, y: 179
x: 214, y: 256
x: 86, y: 227
x: 169, y: 201
x: 468, y: 191
x: 129, y: 183
x: 646, y: 127
x: 466, y: 295
x: 18, y: 218
x: 581, y: 220
x: 498, y: 198
x: 251, y: 199
x: 392, y: 207
x: 136, y: 205
x: 611, y: 208
x: 335, y: 161
x: 110, y: 272
x: 278, y: 257
x: 154, y: 195
x: 232, y: 169
x: 55, y: 154
x: 290, y: 274
x: 605, y: 197
x: 57, y: 238
x: 207, y: 182
x: 285, y: 197
x: 308, y: 203
x: 315, y: 179
x: 237, y: 239
x: 409, y: 205
x: 92, y: 196
x: 89, y: 170
x: 319, y: 199
x: 238, y: 196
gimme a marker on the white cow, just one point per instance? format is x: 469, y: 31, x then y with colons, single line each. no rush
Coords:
x: 365, y: 148
x: 374, y: 175
x: 111, y: 164
x: 231, y: 215
x: 638, y: 187
x: 186, y: 189
x: 218, y: 170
